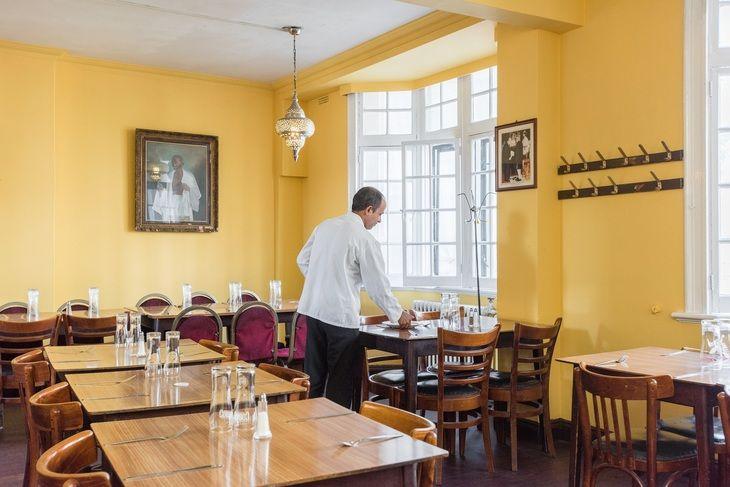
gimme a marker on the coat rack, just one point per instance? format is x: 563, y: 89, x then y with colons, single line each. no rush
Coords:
x: 624, y: 161
x: 626, y: 188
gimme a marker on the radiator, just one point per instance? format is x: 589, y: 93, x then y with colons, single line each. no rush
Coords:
x: 424, y: 305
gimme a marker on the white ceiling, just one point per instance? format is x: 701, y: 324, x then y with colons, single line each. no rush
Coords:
x: 211, y: 36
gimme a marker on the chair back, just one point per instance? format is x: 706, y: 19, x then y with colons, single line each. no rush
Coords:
x: 14, y: 307
x: 532, y: 353
x: 154, y: 299
x: 230, y: 352
x: 202, y: 297
x: 255, y: 331
x: 294, y: 376
x: 298, y: 338
x: 373, y: 319
x: 198, y: 322
x: 417, y: 427
x: 74, y: 304
x: 60, y: 465
x: 723, y: 403
x: 84, y: 329
x: 608, y: 432
x: 54, y: 414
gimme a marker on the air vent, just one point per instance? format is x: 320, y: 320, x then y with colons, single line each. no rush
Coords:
x: 323, y: 99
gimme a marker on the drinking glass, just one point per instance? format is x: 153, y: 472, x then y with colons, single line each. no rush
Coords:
x: 454, y: 309
x: 239, y: 298
x: 94, y: 302
x: 152, y: 363
x: 172, y: 358
x: 711, y: 345
x: 231, y: 293
x: 445, y: 308
x: 221, y: 408
x: 244, y: 412
x: 724, y: 326
x: 135, y: 337
x: 275, y: 294
x: 187, y: 295
x: 120, y: 335
x: 33, y: 312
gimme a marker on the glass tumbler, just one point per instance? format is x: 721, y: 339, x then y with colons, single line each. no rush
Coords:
x: 724, y: 326
x: 152, y: 362
x: 244, y: 412
x: 33, y: 312
x: 221, y: 409
x: 454, y: 310
x: 187, y: 295
x: 94, y: 302
x: 275, y: 294
x: 120, y: 335
x: 711, y: 344
x: 172, y: 357
x: 445, y: 309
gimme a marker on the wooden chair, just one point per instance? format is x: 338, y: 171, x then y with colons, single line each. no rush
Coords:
x: 33, y: 374
x: 205, y: 324
x: 62, y: 464
x: 721, y: 449
x: 83, y: 329
x: 382, y: 371
x: 294, y: 376
x: 461, y: 388
x: 154, y: 299
x: 524, y: 391
x: 202, y: 297
x: 230, y: 352
x: 417, y: 427
x: 608, y: 440
x: 54, y: 415
x: 426, y: 315
x: 74, y: 304
x: 254, y: 329
x: 13, y: 307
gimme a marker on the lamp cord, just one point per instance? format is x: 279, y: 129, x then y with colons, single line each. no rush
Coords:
x: 294, y: 36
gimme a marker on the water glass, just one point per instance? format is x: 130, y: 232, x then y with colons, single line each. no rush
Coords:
x: 275, y: 294
x: 172, y: 358
x: 244, y: 412
x: 152, y: 363
x: 231, y: 292
x: 33, y: 312
x: 711, y: 344
x: 445, y: 309
x: 221, y: 408
x: 724, y: 326
x: 454, y: 309
x: 94, y: 302
x: 120, y: 335
x: 187, y: 295
x: 134, y: 335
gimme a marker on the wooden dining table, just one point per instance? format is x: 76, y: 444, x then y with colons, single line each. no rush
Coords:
x: 694, y: 385
x: 25, y: 317
x: 108, y: 396
x: 305, y: 448
x: 107, y: 356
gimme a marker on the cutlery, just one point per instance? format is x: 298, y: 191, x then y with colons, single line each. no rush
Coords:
x: 686, y: 376
x: 683, y: 350
x: 299, y: 420
x: 369, y: 439
x: 114, y: 397
x: 108, y: 381
x: 70, y: 352
x: 170, y: 472
x: 622, y: 359
x: 72, y: 361
x: 193, y: 354
x: 150, y: 438
x: 268, y: 381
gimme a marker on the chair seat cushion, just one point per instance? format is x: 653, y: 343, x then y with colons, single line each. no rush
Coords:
x: 282, y: 352
x: 396, y: 377
x: 500, y: 380
x: 430, y: 387
x: 685, y: 426
x: 454, y: 374
x: 669, y: 446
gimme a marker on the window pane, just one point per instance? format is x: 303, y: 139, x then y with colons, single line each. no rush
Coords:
x: 418, y: 194
x: 480, y: 81
x: 418, y: 260
x: 493, y: 224
x: 399, y: 99
x: 449, y: 90
x: 445, y: 159
x: 433, y: 118
x: 444, y: 226
x: 373, y: 123
x: 379, y: 185
x: 724, y: 269
x: 399, y: 122
x: 450, y: 115
x: 723, y: 107
x: 395, y: 196
x: 723, y: 210
x: 394, y: 164
x: 433, y: 94
x: 724, y: 37
x: 723, y: 159
x: 375, y: 100
x: 417, y: 161
x: 446, y: 197
x: 418, y: 227
x: 445, y: 260
x: 480, y: 107
x: 374, y: 164
x: 493, y: 73
x: 395, y: 228
x: 493, y: 104
x: 395, y: 259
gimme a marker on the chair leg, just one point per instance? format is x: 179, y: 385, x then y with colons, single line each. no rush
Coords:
x: 548, y: 427
x: 487, y: 439
x: 440, y: 443
x: 722, y: 459
x: 462, y: 435
x: 513, y: 441
x: 500, y: 424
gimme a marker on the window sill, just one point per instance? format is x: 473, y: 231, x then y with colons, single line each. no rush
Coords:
x: 683, y: 317
x: 490, y: 293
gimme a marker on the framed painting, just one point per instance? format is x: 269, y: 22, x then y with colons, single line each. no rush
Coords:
x: 176, y: 182
x: 516, y: 155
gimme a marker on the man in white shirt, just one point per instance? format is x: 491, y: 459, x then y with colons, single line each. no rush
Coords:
x: 339, y: 258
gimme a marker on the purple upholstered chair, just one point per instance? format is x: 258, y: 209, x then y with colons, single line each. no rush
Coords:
x: 76, y: 305
x: 202, y: 297
x: 255, y: 327
x: 14, y: 307
x: 154, y: 299
x: 297, y: 341
x: 203, y: 324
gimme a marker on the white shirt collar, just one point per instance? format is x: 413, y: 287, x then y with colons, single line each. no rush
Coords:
x: 355, y: 218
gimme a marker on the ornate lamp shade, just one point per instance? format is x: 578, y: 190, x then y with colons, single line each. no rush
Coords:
x: 294, y: 127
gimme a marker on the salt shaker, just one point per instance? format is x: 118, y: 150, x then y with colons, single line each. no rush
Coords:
x: 263, y: 431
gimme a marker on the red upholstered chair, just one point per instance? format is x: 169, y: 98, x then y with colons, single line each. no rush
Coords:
x: 154, y: 299
x: 248, y: 296
x: 202, y: 297
x: 297, y: 341
x: 197, y: 323
x: 75, y: 304
x: 14, y: 307
x: 254, y: 331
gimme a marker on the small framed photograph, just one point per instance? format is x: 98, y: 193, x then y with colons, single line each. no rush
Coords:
x: 516, y: 146
x: 176, y: 182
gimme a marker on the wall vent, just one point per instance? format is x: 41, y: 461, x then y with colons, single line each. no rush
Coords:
x: 323, y: 99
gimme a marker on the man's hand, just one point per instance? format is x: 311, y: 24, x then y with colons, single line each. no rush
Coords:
x: 405, y: 320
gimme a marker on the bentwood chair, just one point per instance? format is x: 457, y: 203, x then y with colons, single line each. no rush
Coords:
x: 74, y: 304
x: 54, y: 415
x: 202, y: 297
x: 524, y: 391
x: 294, y: 376
x: 610, y: 443
x: 63, y: 464
x: 417, y: 427
x: 153, y: 299
x: 33, y: 374
x: 85, y: 329
x: 297, y: 342
x: 254, y: 329
x: 14, y: 307
x: 197, y: 323
x: 230, y: 352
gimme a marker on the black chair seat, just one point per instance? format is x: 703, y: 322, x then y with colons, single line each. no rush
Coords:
x: 500, y: 380
x: 685, y: 426
x: 431, y: 387
x: 397, y: 377
x: 670, y: 447
x: 453, y: 374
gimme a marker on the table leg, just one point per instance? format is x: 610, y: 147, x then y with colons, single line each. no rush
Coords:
x: 574, y: 460
x: 704, y: 428
x: 410, y: 368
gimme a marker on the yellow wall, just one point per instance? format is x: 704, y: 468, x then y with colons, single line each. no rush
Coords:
x: 71, y: 131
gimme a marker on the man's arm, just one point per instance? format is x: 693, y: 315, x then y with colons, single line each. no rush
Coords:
x: 303, y: 257
x: 372, y: 270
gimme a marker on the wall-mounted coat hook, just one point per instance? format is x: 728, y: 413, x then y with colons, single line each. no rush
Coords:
x: 668, y: 156
x: 615, y: 186
x: 658, y: 181
x: 603, y: 159
x: 585, y: 163
x: 576, y: 191
x: 647, y: 158
x: 626, y: 158
x: 626, y: 188
x: 565, y: 166
x: 595, y: 188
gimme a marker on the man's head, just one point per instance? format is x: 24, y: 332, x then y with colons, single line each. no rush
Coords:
x: 369, y: 204
x: 177, y: 161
